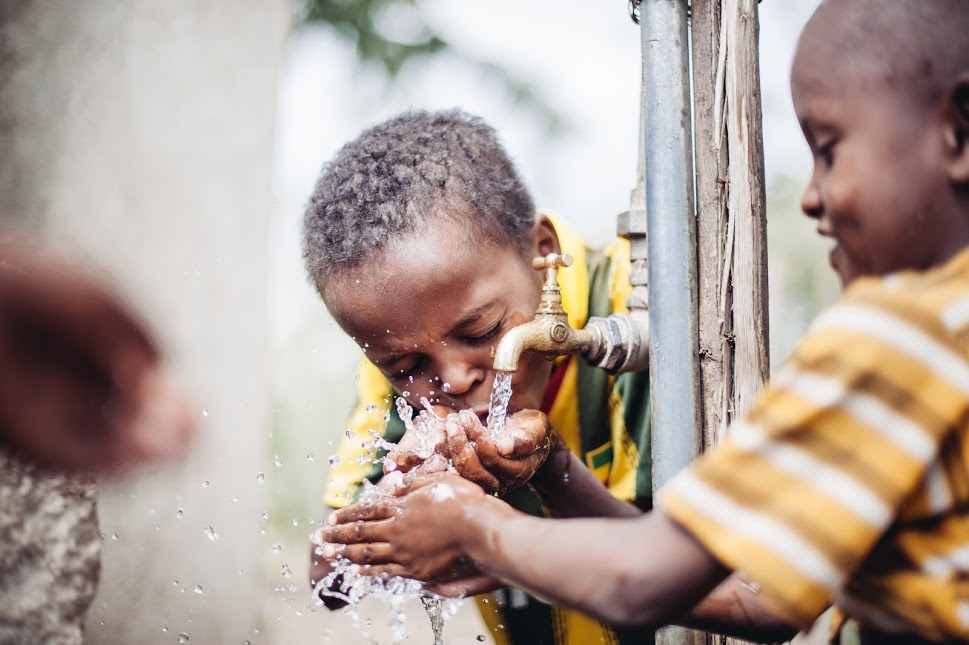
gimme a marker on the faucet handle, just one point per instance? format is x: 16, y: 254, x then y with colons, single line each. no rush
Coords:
x: 552, y: 261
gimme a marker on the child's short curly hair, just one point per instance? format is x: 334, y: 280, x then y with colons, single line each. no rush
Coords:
x: 398, y: 175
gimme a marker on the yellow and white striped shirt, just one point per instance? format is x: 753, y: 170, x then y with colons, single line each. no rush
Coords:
x: 849, y: 477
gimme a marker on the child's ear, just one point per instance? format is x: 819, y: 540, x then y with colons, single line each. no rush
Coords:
x: 544, y: 238
x: 957, y: 130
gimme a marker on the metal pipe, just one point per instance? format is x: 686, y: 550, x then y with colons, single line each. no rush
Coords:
x: 671, y: 238
x: 671, y: 235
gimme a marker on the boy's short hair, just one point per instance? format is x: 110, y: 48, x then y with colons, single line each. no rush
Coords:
x: 917, y: 46
x: 397, y: 176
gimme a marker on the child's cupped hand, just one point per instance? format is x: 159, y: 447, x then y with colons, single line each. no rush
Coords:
x: 402, y: 535
x: 459, y: 440
x: 503, y: 462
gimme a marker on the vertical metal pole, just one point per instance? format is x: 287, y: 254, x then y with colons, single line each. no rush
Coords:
x: 671, y: 235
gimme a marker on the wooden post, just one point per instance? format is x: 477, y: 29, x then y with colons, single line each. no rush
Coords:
x: 731, y: 222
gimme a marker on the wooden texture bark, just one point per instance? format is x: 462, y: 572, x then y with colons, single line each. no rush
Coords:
x: 731, y: 220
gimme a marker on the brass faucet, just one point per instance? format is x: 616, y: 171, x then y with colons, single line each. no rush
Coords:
x: 617, y: 343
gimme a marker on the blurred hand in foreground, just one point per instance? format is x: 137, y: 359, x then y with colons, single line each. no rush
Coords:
x: 82, y: 386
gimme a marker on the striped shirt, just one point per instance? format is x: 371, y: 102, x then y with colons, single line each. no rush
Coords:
x: 849, y: 477
x: 604, y: 420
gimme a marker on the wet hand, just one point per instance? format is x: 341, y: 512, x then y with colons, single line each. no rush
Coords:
x: 427, y: 453
x: 501, y: 463
x: 418, y: 535
x: 82, y: 385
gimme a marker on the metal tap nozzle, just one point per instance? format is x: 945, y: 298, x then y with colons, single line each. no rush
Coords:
x: 616, y: 343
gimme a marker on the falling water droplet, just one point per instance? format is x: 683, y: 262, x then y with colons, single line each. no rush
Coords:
x: 164, y: 629
x: 405, y: 394
x: 261, y: 477
x: 334, y: 460
x: 198, y: 589
x: 179, y: 513
x: 265, y: 515
x: 205, y: 412
x: 349, y: 433
x: 174, y: 583
x: 480, y: 638
x: 286, y: 572
x: 295, y: 522
x: 211, y: 534
x: 277, y: 548
x: 205, y: 484
x: 309, y: 456
x: 114, y: 536
x: 371, y: 408
x: 277, y: 461
x: 183, y: 637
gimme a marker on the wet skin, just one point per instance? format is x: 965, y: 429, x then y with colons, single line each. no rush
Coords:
x: 890, y: 185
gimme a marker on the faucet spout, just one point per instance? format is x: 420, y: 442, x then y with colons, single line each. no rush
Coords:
x: 616, y: 344
x: 547, y: 334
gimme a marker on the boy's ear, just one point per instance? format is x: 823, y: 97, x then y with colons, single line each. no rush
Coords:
x: 544, y: 238
x: 957, y: 130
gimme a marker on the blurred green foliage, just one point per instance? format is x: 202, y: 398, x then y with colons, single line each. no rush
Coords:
x: 393, y: 33
x: 359, y: 22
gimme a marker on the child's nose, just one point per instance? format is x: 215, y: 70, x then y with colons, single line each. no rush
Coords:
x: 461, y: 378
x: 811, y: 201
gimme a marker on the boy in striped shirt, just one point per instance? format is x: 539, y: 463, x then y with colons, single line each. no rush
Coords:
x: 848, y: 481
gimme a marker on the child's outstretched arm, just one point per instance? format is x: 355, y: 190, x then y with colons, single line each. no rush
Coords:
x: 444, y: 520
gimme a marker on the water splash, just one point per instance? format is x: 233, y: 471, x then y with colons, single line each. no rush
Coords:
x: 498, y: 406
x: 344, y: 581
x: 435, y: 608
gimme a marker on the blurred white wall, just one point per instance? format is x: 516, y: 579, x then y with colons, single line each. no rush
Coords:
x: 139, y: 135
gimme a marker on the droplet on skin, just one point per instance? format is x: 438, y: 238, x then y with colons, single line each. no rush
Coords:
x: 446, y: 387
x: 442, y: 492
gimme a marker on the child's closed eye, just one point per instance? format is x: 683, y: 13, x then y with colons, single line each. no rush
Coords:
x: 478, y: 339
